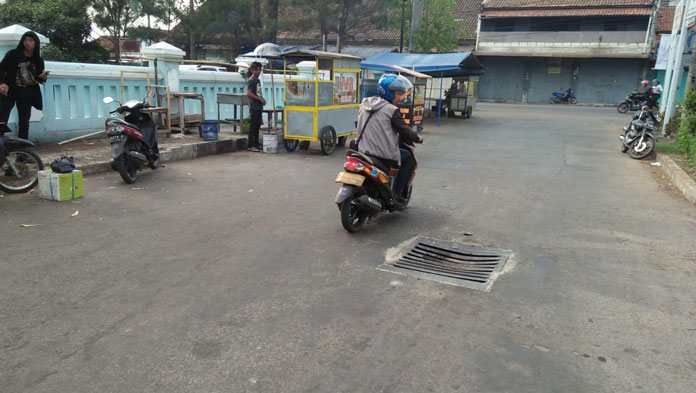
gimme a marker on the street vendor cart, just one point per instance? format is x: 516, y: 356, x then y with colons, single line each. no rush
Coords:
x: 412, y: 107
x: 321, y: 98
x: 462, y: 96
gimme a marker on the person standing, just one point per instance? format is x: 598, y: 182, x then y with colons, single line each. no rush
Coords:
x: 21, y: 73
x: 656, y: 92
x: 256, y: 103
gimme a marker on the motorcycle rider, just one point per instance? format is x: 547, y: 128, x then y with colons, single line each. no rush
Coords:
x: 382, y: 127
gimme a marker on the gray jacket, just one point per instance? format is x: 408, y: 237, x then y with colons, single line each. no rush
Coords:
x: 381, y: 135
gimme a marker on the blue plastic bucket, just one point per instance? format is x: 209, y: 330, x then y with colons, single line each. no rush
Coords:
x: 209, y: 130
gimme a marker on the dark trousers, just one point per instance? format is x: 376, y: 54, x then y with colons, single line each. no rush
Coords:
x: 405, y: 171
x: 256, y: 119
x: 23, y: 112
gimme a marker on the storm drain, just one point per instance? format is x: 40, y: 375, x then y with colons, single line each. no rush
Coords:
x: 453, y: 263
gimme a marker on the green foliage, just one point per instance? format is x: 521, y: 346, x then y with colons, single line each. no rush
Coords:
x: 686, y: 138
x: 439, y: 31
x: 674, y: 122
x: 66, y: 23
x: 666, y: 147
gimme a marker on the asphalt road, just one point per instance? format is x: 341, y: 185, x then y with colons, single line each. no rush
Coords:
x: 233, y: 274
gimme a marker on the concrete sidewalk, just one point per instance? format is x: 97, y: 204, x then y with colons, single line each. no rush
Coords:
x: 94, y: 155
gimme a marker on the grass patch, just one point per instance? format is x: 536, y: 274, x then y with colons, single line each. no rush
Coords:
x: 666, y: 147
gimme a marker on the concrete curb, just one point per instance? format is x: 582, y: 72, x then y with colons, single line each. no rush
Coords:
x: 546, y: 103
x: 183, y: 152
x: 679, y: 178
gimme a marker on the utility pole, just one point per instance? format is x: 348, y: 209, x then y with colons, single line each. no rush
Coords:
x: 403, y: 7
x: 678, y: 48
x: 192, y: 45
x: 416, y: 19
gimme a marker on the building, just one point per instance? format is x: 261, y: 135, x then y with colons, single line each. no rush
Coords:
x: 599, y: 48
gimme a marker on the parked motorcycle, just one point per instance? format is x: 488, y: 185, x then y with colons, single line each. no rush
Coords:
x: 560, y: 98
x: 368, y: 189
x: 19, y: 165
x: 133, y: 139
x: 638, y: 138
x: 632, y: 102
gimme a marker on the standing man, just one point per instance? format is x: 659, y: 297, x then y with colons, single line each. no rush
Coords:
x: 21, y: 72
x: 656, y: 92
x: 256, y: 103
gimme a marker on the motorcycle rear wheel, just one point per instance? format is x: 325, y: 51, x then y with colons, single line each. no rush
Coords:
x: 28, y: 168
x: 622, y: 107
x: 351, y: 217
x: 128, y: 172
x: 647, y: 149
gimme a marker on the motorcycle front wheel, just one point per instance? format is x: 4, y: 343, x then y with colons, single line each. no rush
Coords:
x: 351, y: 217
x: 643, y: 149
x: 553, y: 100
x: 27, y: 165
x: 622, y: 107
x: 128, y: 172
x: 573, y: 100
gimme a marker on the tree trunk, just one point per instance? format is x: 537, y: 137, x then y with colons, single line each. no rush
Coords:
x: 272, y: 20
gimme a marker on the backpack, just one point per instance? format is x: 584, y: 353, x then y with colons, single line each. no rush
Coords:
x: 63, y: 164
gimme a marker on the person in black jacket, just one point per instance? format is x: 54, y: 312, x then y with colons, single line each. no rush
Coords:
x: 21, y: 72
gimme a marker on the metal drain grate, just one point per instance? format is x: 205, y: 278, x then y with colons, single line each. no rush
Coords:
x: 450, y: 262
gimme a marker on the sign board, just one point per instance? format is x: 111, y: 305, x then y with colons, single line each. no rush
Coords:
x: 690, y: 17
x: 663, y: 52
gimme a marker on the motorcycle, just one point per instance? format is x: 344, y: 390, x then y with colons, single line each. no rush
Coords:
x: 133, y: 139
x: 560, y: 98
x: 19, y: 165
x: 368, y: 188
x: 638, y: 138
x: 632, y: 102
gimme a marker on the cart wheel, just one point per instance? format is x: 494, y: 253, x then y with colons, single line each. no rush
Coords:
x: 469, y: 111
x: 341, y: 141
x: 327, y: 138
x: 290, y: 144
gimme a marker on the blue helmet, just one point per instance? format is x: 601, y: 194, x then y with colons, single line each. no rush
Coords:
x: 389, y: 83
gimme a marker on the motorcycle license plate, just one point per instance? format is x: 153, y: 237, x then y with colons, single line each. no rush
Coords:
x: 115, y: 138
x: 350, y: 178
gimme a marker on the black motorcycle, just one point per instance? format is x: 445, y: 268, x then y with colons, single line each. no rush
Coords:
x: 632, y: 102
x: 638, y: 138
x: 19, y: 165
x: 367, y: 188
x: 133, y: 139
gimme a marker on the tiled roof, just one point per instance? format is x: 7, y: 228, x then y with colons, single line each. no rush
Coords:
x: 497, y: 13
x: 465, y: 10
x: 665, y: 19
x: 565, y: 3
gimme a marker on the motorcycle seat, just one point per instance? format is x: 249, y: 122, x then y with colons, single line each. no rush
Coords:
x: 379, y: 163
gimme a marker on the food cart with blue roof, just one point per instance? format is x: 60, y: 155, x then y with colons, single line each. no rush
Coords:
x: 461, y: 66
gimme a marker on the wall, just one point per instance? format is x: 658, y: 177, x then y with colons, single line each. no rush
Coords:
x: 527, y: 79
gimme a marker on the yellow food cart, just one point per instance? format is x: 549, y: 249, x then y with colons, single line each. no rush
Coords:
x: 321, y: 98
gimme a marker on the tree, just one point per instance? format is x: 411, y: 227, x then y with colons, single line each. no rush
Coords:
x: 439, y: 31
x: 66, y: 23
x: 231, y: 24
x: 271, y: 27
x: 117, y: 17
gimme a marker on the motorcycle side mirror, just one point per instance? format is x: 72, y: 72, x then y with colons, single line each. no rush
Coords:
x: 108, y: 100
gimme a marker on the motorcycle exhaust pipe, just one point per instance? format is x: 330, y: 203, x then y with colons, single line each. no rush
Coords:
x: 370, y: 204
x: 137, y: 156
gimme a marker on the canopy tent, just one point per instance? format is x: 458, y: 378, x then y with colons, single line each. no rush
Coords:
x: 443, y: 65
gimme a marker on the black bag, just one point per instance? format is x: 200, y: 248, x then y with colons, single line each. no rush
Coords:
x: 64, y: 164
